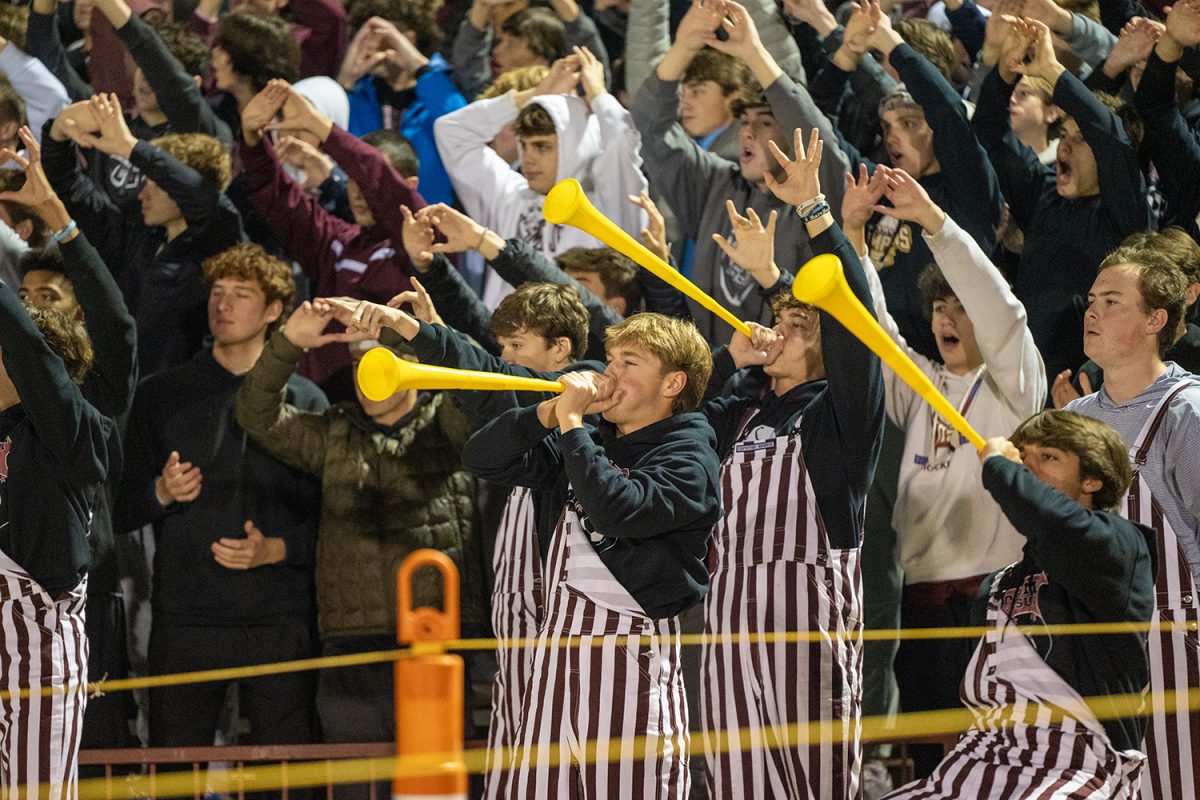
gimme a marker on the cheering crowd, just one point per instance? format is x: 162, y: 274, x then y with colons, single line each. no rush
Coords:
x: 211, y: 211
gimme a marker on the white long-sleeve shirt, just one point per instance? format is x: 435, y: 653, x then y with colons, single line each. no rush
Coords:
x: 947, y: 526
x: 43, y: 94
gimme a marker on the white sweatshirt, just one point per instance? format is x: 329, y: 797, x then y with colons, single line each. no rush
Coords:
x: 947, y: 526
x: 599, y: 147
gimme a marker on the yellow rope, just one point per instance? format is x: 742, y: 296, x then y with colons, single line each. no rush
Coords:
x: 270, y: 777
x: 467, y: 645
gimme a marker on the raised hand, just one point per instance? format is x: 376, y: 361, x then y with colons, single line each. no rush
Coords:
x: 418, y: 234
x: 801, y: 181
x: 305, y: 327
x: 37, y: 190
x: 753, y: 248
x: 1042, y: 62
x: 910, y: 201
x: 883, y: 36
x: 262, y: 110
x: 999, y: 446
x: 1047, y: 12
x: 460, y: 231
x: 583, y: 393
x: 1183, y: 24
x: 1000, y: 25
x: 113, y: 136
x: 563, y: 77
x: 364, y: 317
x: 421, y: 303
x: 1135, y: 43
x: 591, y: 74
x: 179, y: 482
x: 362, y: 56
x: 654, y: 235
x: 861, y: 196
x: 300, y: 116
x: 701, y: 20
x: 860, y: 27
x: 403, y: 53
x: 77, y: 123
x: 317, y: 165
x: 740, y: 32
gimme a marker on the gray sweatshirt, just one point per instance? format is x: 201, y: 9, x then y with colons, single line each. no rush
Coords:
x: 1173, y: 466
x: 697, y: 184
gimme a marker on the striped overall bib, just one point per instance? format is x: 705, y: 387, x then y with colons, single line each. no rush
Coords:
x: 797, y: 703
x: 42, y: 644
x: 604, y: 715
x: 1033, y: 736
x: 1172, y: 741
x: 517, y: 613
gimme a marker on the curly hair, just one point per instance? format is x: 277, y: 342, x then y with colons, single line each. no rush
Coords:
x: 201, y: 152
x: 518, y: 78
x: 249, y: 262
x: 67, y: 338
x: 189, y: 49
x: 14, y: 23
x: 260, y: 47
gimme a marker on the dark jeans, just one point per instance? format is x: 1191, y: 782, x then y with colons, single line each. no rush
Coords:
x: 929, y: 672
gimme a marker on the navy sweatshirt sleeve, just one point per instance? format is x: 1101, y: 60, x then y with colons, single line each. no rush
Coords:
x: 515, y: 449
x: 46, y: 46
x: 70, y: 429
x: 643, y: 501
x: 1022, y: 178
x: 110, y: 384
x: 974, y: 190
x: 196, y: 197
x: 457, y: 303
x: 90, y: 207
x: 1122, y: 187
x: 178, y: 95
x: 969, y: 26
x: 1169, y: 142
x: 1094, y: 554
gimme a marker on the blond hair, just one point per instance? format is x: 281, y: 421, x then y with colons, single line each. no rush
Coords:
x: 674, y: 342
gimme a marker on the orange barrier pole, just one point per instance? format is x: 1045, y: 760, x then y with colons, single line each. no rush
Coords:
x: 429, y: 690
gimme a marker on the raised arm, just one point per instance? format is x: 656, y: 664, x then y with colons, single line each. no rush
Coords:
x: 67, y: 425
x: 328, y: 34
x: 999, y: 318
x: 46, y: 46
x: 1168, y: 139
x: 515, y: 449
x: 178, y: 93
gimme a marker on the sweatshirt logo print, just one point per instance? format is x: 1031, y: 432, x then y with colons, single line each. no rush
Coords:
x: 5, y: 449
x: 594, y: 536
x: 736, y: 284
x: 1022, y: 601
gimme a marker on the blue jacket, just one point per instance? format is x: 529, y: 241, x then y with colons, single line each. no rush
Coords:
x: 373, y: 106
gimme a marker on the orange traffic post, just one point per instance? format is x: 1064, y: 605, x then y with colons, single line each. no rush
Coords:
x: 429, y: 690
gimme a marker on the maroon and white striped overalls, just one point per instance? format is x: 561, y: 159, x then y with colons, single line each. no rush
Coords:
x: 1033, y: 736
x: 1172, y: 741
x: 775, y: 572
x: 517, y: 613
x: 604, y: 716
x: 42, y: 644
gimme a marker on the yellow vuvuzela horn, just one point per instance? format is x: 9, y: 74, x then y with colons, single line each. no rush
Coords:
x: 822, y: 283
x: 566, y: 204
x: 382, y: 373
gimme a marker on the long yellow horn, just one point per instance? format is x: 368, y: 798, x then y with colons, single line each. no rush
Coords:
x: 566, y: 204
x: 822, y: 283
x: 382, y: 373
